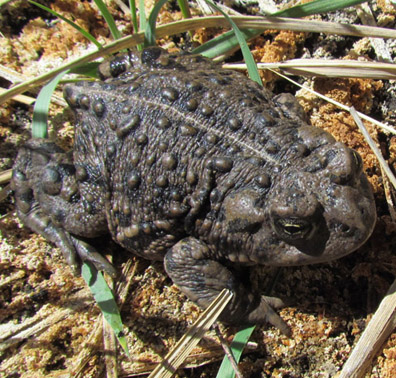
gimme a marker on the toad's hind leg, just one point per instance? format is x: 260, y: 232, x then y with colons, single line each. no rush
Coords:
x: 59, y: 201
x: 192, y: 267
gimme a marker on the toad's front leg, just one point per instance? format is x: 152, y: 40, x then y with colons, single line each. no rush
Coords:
x: 60, y: 201
x: 192, y: 267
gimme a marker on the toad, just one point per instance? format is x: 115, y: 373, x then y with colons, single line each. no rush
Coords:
x: 182, y: 161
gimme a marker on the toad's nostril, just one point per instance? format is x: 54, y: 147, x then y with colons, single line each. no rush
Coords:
x: 345, y: 228
x: 341, y: 179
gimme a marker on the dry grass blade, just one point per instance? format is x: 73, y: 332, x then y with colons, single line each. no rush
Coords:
x: 182, y: 349
x: 110, y: 346
x: 260, y: 23
x: 388, y: 196
x: 109, y: 49
x: 27, y: 100
x: 16, y: 78
x: 373, y: 147
x: 5, y: 192
x: 330, y: 68
x: 341, y: 106
x: 5, y: 176
x: 310, y: 26
x: 384, y: 320
x: 109, y: 338
x: 357, y: 117
x: 88, y: 350
x: 228, y: 352
x: 11, y: 75
x: 11, y: 334
x: 378, y: 330
x: 123, y: 286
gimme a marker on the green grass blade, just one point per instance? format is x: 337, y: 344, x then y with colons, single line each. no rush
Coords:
x: 105, y: 300
x: 132, y: 7
x: 316, y: 7
x: 4, y: 2
x: 237, y: 346
x: 109, y: 19
x: 142, y: 20
x: 149, y: 31
x: 247, y: 55
x: 40, y: 111
x: 185, y: 9
x: 71, y: 23
x: 227, y: 41
x: 142, y: 15
x: 223, y: 43
x: 88, y: 69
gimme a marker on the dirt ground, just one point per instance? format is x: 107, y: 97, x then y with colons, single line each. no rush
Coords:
x: 50, y: 325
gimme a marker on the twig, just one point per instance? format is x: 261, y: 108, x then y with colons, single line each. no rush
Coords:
x: 380, y: 327
x: 373, y: 146
x: 181, y: 350
x: 339, y: 104
x: 388, y: 196
x: 109, y: 339
x: 227, y: 351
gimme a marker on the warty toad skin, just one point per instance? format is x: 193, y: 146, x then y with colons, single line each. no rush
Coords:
x: 183, y: 161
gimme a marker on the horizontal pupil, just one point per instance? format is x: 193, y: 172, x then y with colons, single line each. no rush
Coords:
x: 292, y: 229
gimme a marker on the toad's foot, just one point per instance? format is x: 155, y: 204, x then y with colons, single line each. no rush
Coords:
x: 48, y: 201
x: 192, y: 267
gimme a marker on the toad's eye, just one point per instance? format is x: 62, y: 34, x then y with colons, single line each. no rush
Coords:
x: 115, y: 67
x: 297, y: 218
x: 292, y: 228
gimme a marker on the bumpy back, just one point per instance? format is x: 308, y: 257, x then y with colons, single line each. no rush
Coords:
x: 189, y: 148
